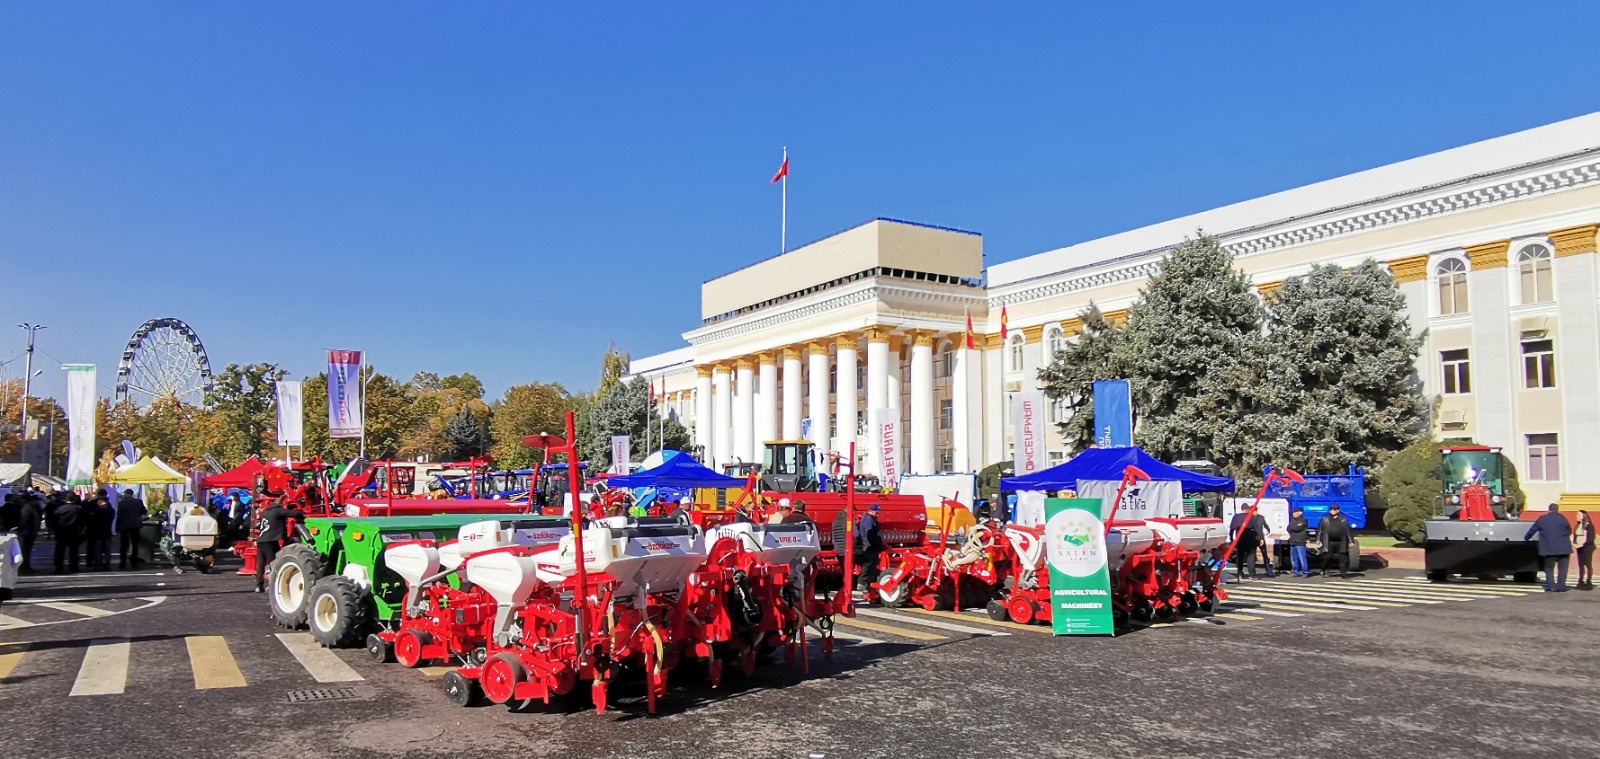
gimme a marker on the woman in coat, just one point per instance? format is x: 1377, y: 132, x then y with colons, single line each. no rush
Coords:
x: 1583, y: 538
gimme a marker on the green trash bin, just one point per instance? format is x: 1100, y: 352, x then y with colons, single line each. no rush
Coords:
x: 149, y: 540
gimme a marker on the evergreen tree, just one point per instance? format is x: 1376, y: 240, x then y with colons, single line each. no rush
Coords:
x: 466, y: 435
x: 1341, y: 369
x: 1069, y: 379
x: 1190, y: 348
x: 626, y: 410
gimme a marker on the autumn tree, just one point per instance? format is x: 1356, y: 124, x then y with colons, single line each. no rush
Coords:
x: 527, y: 410
x: 243, y: 397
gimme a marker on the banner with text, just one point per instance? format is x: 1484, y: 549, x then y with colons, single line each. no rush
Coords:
x: 1028, y: 425
x: 885, y: 426
x: 81, y: 404
x: 1113, y: 414
x: 1148, y: 499
x: 1080, y: 577
x: 344, y: 394
x: 291, y: 413
x: 621, y: 454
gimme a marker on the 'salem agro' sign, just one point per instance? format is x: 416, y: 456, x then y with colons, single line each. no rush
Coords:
x: 1080, y: 580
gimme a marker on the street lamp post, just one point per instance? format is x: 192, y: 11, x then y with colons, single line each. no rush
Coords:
x: 27, y: 380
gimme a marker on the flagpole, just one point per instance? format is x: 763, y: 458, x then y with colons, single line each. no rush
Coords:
x: 783, y: 238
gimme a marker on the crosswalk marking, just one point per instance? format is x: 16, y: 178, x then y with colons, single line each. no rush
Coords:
x: 1442, y: 595
x: 76, y: 608
x: 983, y: 618
x: 933, y: 623
x: 213, y: 663
x: 9, y: 662
x: 1455, y: 588
x: 1240, y: 617
x: 1291, y: 606
x: 1260, y: 610
x: 1293, y: 601
x: 888, y: 629
x: 323, y: 665
x: 105, y: 669
x: 1324, y: 596
x: 12, y: 623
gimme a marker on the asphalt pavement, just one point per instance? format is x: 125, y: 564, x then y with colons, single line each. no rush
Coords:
x: 156, y: 664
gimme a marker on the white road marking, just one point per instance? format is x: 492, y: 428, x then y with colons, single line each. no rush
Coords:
x: 149, y: 602
x: 859, y: 640
x: 105, y: 669
x: 12, y: 623
x: 1298, y: 602
x: 934, y: 623
x: 1259, y: 610
x: 1343, y: 592
x: 212, y: 663
x: 323, y: 665
x: 78, y: 609
x: 1446, y: 587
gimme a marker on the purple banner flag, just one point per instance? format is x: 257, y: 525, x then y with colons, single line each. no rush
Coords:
x: 344, y: 394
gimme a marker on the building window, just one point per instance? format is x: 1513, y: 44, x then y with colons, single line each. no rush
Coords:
x: 833, y: 425
x: 905, y: 373
x: 1544, y: 458
x: 947, y: 359
x: 1538, y: 364
x: 1016, y: 352
x: 833, y: 378
x: 1055, y: 457
x: 1533, y: 269
x: 1452, y: 274
x: 1457, y: 374
x: 947, y: 461
x: 947, y: 414
x: 1054, y: 341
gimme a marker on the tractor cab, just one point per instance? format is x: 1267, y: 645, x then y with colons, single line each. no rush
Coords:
x: 740, y: 469
x: 787, y: 467
x: 1473, y: 484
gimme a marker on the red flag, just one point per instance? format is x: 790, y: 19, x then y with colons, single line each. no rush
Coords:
x: 970, y: 345
x: 783, y: 171
x: 1002, y: 322
x: 652, y: 390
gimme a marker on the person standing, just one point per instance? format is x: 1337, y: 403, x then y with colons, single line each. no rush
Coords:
x: 130, y: 519
x: 1583, y: 542
x: 10, y: 513
x: 797, y: 513
x: 272, y: 529
x: 1335, y: 531
x: 681, y: 514
x: 870, y: 542
x: 1299, y: 538
x: 1555, y: 547
x: 1246, y: 536
x: 99, y: 521
x: 1268, y: 561
x: 67, y: 518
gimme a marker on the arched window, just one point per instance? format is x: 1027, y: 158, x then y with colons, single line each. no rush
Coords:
x: 1017, y: 341
x: 1533, y: 268
x: 1054, y: 341
x: 1452, y: 273
x: 947, y: 359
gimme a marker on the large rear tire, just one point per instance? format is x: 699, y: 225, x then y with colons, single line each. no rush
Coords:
x: 296, y: 569
x: 339, y: 613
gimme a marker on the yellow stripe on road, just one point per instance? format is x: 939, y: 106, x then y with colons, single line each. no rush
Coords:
x: 105, y: 669
x: 889, y: 629
x: 1240, y: 617
x: 12, y: 623
x: 434, y: 671
x: 9, y: 662
x: 213, y: 663
x: 983, y: 618
x: 323, y: 665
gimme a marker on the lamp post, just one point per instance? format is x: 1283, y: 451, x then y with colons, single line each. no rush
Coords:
x: 27, y: 380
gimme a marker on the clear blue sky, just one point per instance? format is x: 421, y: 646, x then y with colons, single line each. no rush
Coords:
x: 503, y: 188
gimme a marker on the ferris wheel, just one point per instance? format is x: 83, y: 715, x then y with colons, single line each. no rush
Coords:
x: 163, y: 359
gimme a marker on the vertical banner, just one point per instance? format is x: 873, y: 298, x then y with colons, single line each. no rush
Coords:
x: 1027, y: 432
x: 1080, y: 577
x: 1113, y: 414
x: 344, y: 394
x: 621, y: 453
x: 81, y: 402
x: 885, y: 429
x: 291, y: 413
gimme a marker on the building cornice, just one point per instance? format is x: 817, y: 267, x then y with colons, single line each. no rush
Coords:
x: 1574, y: 240
x: 866, y: 291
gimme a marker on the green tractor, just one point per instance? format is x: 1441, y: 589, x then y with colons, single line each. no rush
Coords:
x: 335, y: 581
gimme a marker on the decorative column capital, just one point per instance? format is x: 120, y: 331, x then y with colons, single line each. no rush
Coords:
x: 1117, y: 318
x: 721, y: 367
x: 1574, y: 241
x: 766, y: 358
x: 992, y: 342
x: 922, y: 337
x: 1072, y: 327
x: 1490, y: 255
x: 793, y: 352
x: 743, y: 362
x: 896, y: 342
x: 846, y: 340
x: 818, y: 347
x: 877, y: 334
x: 702, y: 370
x: 1032, y: 334
x: 1408, y: 269
x: 1266, y: 289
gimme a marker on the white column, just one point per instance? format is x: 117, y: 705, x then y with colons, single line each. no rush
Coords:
x: 994, y: 395
x: 846, y: 402
x: 892, y: 392
x: 766, y: 405
x: 792, y: 409
x: 821, y: 435
x: 722, y: 404
x: 1495, y: 368
x: 877, y: 368
x: 702, y: 411
x: 960, y: 413
x: 1578, y: 376
x: 744, y: 406
x: 924, y: 457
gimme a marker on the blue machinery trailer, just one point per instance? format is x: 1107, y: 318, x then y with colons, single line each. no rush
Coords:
x: 1321, y: 491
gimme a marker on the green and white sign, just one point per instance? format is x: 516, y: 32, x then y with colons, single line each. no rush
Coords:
x: 1080, y: 582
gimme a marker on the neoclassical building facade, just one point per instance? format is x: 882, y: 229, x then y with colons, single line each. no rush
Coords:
x: 1493, y: 244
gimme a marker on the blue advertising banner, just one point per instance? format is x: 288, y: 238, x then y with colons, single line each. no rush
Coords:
x: 1113, y: 414
x: 344, y: 394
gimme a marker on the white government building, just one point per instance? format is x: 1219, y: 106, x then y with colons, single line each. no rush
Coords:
x: 1493, y: 245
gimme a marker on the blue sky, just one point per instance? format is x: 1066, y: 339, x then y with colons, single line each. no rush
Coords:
x: 504, y: 188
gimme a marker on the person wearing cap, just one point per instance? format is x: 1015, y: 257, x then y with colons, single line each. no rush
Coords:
x: 785, y: 508
x: 1299, y: 538
x: 796, y: 513
x: 681, y: 513
x: 869, y: 542
x: 1335, y: 533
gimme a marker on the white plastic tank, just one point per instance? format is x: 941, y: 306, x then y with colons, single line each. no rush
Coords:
x: 195, y: 530
x: 774, y: 543
x: 655, y: 558
x: 1128, y: 537
x: 510, y: 579
x: 1193, y: 533
x: 414, y: 562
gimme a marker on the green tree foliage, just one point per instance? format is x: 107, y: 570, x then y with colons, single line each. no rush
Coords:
x: 1409, y: 484
x: 613, y: 367
x: 1069, y: 379
x: 391, y: 416
x: 1341, y: 369
x: 466, y: 383
x: 625, y: 411
x: 527, y: 410
x: 243, y: 398
x: 1190, y: 350
x: 466, y: 435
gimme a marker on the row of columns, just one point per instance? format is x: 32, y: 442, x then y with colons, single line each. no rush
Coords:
x: 736, y: 403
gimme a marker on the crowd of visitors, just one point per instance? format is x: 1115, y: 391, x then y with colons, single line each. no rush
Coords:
x: 81, y: 528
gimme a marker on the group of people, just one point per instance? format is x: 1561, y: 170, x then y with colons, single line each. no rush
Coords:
x: 1559, y: 540
x: 83, y: 528
x: 1251, y: 535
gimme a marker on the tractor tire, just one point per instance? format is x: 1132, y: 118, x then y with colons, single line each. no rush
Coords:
x: 943, y: 600
x: 293, y: 573
x: 997, y: 611
x: 1438, y: 575
x: 1526, y: 577
x: 460, y: 690
x: 380, y: 651
x: 896, y: 598
x: 1166, y: 613
x: 339, y: 613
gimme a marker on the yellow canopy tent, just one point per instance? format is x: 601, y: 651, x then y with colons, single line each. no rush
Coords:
x: 147, y: 472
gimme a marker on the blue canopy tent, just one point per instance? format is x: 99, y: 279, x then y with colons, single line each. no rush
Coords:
x: 679, y: 472
x: 1108, y: 464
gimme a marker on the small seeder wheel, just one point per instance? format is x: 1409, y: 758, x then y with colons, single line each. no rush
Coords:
x: 379, y: 650
x: 997, y: 611
x: 459, y: 690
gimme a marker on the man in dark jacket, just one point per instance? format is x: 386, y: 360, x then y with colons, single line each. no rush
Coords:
x: 272, y: 528
x: 130, y: 518
x: 10, y: 513
x: 31, y: 511
x: 99, y: 520
x: 68, y: 521
x: 1299, y: 538
x: 869, y: 540
x: 1335, y: 532
x: 1555, y: 547
x: 797, y: 513
x: 1248, y: 534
